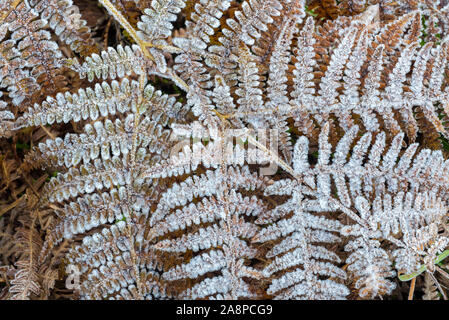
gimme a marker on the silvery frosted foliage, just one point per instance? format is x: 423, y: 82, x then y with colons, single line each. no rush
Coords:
x: 304, y: 87
x: 6, y: 119
x: 372, y: 167
x: 316, y: 276
x: 366, y: 77
x: 330, y: 82
x: 209, y: 147
x: 368, y: 262
x: 412, y: 222
x: 110, y: 64
x: 156, y: 26
x: 245, y: 28
x: 189, y: 63
x: 98, y: 160
x: 277, y: 95
x: 151, y: 198
x: 12, y: 67
x: 422, y: 226
x: 232, y: 57
x: 380, y: 170
x: 103, y: 156
x: 103, y: 190
x: 217, y: 229
x: 21, y: 65
x: 105, y: 140
x: 364, y: 169
x: 65, y: 19
x: 410, y: 76
x: 100, y: 182
x: 105, y: 99
x: 108, y: 270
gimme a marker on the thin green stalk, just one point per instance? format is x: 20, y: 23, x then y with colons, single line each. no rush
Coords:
x: 408, y: 277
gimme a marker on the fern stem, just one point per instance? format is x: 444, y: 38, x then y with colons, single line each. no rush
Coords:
x: 127, y: 26
x: 274, y: 157
x: 142, y: 44
x: 412, y: 289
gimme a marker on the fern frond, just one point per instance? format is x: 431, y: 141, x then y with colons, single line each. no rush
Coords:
x: 379, y: 170
x: 110, y: 64
x: 223, y: 245
x: 104, y: 100
x: 65, y: 19
x: 368, y: 262
x: 40, y: 54
x: 104, y: 141
x: 156, y: 24
x: 26, y: 282
x: 302, y: 236
x: 6, y: 117
x: 13, y: 75
x: 104, y: 261
x: 430, y: 289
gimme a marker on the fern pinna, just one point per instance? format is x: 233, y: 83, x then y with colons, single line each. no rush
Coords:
x: 281, y: 149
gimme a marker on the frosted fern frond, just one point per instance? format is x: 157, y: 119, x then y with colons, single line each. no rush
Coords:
x: 421, y: 225
x: 353, y: 175
x: 156, y: 24
x: 233, y: 57
x: 301, y: 247
x: 202, y: 186
x: 211, y: 148
x: 329, y: 83
x: 368, y: 262
x: 155, y: 201
x: 107, y: 270
x: 13, y: 74
x: 65, y: 19
x: 94, y: 196
x: 304, y: 54
x: 104, y: 141
x: 99, y: 183
x: 101, y: 156
x: 104, y: 100
x: 374, y: 172
x: 27, y: 32
x: 250, y: 21
x: 98, y: 194
x: 91, y: 211
x: 346, y: 89
x: 220, y: 235
x: 110, y: 64
x: 6, y: 117
x: 277, y: 80
x: 250, y: 96
x: 88, y: 178
x: 395, y: 216
x: 206, y: 18
x: 189, y: 63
